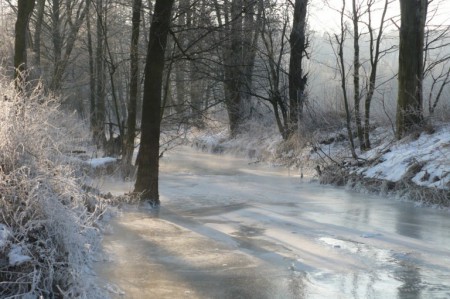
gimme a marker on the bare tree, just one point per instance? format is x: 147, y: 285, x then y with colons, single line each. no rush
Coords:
x: 100, y: 107
x: 24, y: 10
x: 37, y: 32
x: 240, y: 22
x: 64, y: 38
x: 436, y: 57
x: 410, y: 72
x: 376, y: 53
x: 272, y: 89
x: 148, y: 162
x: 134, y: 82
x: 297, y: 75
x: 92, y: 77
x: 356, y: 14
x: 340, y: 39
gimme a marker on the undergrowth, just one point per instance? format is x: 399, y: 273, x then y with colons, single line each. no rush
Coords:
x: 49, y: 222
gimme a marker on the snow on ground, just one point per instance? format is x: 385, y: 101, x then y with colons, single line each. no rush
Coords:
x: 16, y: 256
x: 430, y: 151
x: 98, y: 162
x: 4, y: 235
x: 257, y: 142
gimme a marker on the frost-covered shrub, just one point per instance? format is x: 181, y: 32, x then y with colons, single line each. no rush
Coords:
x: 48, y: 233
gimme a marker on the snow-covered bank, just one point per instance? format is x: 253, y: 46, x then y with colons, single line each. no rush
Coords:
x: 414, y: 168
x: 49, y: 223
x: 425, y: 159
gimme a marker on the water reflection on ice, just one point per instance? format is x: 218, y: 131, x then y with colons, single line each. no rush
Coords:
x: 232, y: 230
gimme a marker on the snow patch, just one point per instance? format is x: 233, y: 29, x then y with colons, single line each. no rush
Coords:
x: 97, y: 162
x: 4, y: 235
x: 431, y: 152
x: 16, y: 256
x: 114, y: 289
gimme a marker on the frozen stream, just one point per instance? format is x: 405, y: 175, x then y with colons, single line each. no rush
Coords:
x: 227, y: 229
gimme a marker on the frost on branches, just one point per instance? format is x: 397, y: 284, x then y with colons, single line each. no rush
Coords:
x: 48, y: 223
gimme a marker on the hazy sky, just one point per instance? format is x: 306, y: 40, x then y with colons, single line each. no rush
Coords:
x: 323, y: 18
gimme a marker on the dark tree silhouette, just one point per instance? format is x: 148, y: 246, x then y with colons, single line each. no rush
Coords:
x: 24, y: 10
x: 148, y: 158
x: 297, y: 78
x: 410, y: 70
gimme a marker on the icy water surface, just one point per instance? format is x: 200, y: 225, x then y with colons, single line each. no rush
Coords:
x: 227, y: 229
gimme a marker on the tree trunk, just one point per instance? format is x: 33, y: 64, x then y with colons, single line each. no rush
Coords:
x: 180, y: 65
x: 340, y: 39
x: 239, y: 36
x: 297, y: 78
x: 37, y: 34
x: 99, y: 132
x: 93, y: 106
x: 148, y: 163
x: 356, y: 67
x: 374, y: 59
x: 268, y: 36
x: 251, y: 30
x: 24, y: 10
x: 57, y: 41
x: 196, y: 95
x: 410, y: 71
x: 134, y: 82
x: 233, y: 83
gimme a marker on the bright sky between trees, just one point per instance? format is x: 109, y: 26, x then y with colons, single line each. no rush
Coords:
x: 325, y: 17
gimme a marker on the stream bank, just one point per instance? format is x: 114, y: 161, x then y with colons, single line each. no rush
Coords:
x: 416, y: 168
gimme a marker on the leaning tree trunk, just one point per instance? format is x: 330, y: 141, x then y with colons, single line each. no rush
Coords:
x: 148, y: 163
x: 24, y: 10
x: 297, y: 78
x: 410, y: 71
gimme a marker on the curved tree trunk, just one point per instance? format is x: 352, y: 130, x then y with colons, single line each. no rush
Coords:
x: 24, y: 10
x: 148, y: 163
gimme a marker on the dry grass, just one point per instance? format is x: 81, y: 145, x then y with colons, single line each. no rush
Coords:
x: 43, y: 206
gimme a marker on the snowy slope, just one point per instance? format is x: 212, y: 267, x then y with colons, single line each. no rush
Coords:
x: 430, y: 153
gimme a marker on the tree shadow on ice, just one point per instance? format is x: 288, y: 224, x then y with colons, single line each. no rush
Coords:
x: 171, y: 261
